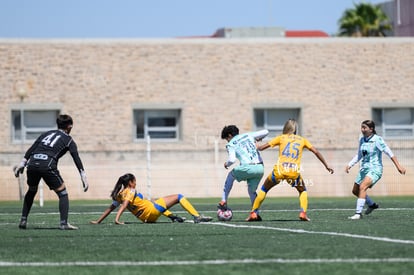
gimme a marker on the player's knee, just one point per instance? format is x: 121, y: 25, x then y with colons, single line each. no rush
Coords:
x: 252, y: 188
x: 301, y: 188
x: 33, y: 189
x: 264, y: 189
x: 62, y: 193
x: 180, y: 196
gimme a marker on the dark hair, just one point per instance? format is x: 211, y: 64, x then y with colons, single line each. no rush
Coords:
x: 64, y: 121
x: 370, y: 124
x: 229, y: 130
x: 122, y: 182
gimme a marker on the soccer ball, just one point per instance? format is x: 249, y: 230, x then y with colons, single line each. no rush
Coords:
x: 224, y: 215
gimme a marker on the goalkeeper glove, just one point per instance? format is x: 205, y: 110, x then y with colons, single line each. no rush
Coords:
x: 176, y: 218
x: 84, y: 181
x: 18, y: 169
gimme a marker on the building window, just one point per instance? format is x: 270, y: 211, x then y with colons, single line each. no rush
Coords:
x: 161, y: 124
x: 274, y: 119
x: 27, y: 125
x: 394, y: 122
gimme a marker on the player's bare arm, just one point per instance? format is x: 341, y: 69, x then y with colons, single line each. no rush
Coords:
x: 121, y: 210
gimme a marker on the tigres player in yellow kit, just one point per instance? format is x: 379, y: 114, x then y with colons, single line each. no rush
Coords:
x: 127, y: 197
x: 287, y: 168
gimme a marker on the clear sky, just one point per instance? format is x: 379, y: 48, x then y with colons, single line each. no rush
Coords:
x: 163, y: 18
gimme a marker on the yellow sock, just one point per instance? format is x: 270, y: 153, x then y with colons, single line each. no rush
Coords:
x: 303, y: 201
x: 261, y: 195
x: 167, y: 213
x: 188, y: 206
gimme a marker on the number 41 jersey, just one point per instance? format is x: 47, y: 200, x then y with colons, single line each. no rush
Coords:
x: 51, y: 146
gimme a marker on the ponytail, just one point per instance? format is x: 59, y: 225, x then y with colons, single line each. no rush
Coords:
x: 122, y: 182
x: 290, y: 127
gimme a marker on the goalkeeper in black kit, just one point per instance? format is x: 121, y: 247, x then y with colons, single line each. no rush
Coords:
x: 41, y: 160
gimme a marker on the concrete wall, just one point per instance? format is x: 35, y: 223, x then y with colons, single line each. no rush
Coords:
x: 335, y: 82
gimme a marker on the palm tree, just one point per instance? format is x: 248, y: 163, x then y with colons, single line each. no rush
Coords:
x: 363, y: 21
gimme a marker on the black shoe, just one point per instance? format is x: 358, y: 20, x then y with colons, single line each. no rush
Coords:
x: 199, y: 219
x: 222, y: 206
x: 371, y: 208
x: 176, y: 218
x: 23, y: 224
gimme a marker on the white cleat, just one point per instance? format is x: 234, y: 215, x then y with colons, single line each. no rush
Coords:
x: 357, y: 216
x: 67, y: 227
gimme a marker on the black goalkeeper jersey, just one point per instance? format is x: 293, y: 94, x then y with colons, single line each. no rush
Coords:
x: 50, y: 146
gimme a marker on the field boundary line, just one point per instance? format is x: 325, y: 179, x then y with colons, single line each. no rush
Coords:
x: 207, y: 262
x: 302, y: 231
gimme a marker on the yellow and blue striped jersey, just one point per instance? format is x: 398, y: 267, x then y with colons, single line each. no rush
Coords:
x: 138, y: 206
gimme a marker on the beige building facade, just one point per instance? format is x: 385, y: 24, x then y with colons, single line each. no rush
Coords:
x: 181, y: 92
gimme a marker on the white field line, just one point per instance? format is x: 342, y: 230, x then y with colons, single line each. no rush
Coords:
x: 237, y: 261
x: 207, y: 262
x: 301, y: 231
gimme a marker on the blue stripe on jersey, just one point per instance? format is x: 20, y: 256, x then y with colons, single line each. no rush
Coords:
x: 159, y: 207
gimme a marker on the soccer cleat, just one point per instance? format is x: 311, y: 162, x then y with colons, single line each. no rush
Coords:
x: 371, y: 208
x: 253, y: 217
x: 67, y: 226
x: 23, y: 224
x: 222, y: 206
x: 198, y: 219
x: 357, y: 216
x: 303, y: 217
x: 176, y: 218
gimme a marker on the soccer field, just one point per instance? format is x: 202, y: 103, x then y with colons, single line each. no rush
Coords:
x: 381, y: 243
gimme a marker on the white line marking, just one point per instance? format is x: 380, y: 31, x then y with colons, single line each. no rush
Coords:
x: 383, y: 239
x: 209, y: 262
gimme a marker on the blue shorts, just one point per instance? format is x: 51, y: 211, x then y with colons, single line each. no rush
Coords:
x: 373, y: 174
x: 252, y: 173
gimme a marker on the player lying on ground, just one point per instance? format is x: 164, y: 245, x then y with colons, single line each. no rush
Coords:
x: 127, y: 197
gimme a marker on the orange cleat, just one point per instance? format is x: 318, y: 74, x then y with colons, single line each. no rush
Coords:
x: 303, y: 217
x: 222, y: 205
x: 253, y: 217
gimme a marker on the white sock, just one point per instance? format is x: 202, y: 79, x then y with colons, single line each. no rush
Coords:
x: 359, y: 205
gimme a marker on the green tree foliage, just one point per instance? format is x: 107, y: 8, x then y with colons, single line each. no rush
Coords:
x: 364, y: 20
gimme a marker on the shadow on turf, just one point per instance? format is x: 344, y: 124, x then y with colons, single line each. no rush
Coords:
x: 41, y: 228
